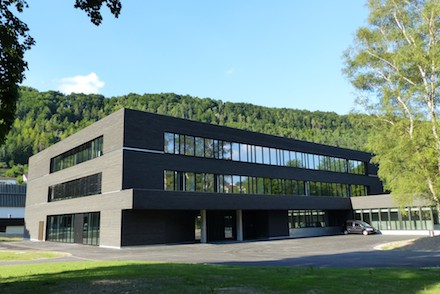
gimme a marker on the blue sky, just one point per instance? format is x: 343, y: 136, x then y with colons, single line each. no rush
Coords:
x: 279, y: 53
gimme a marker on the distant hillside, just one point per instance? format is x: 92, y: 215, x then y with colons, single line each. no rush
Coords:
x: 44, y: 118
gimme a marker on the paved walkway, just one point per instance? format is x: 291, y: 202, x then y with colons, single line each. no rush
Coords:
x: 331, y: 251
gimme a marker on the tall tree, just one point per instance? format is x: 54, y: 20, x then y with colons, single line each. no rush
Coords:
x: 15, y: 41
x: 395, y: 65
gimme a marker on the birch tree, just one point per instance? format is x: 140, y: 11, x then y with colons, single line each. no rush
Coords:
x: 395, y: 66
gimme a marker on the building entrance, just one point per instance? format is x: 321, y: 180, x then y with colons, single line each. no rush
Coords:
x: 221, y: 225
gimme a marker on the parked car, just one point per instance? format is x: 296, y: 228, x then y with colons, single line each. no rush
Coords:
x: 358, y: 227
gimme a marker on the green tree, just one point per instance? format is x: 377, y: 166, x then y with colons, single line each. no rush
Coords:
x: 395, y: 65
x: 15, y: 41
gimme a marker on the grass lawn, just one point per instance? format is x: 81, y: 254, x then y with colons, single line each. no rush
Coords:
x: 10, y: 255
x: 141, y: 277
x: 10, y: 239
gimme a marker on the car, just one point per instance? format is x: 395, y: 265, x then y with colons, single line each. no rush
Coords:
x: 358, y: 227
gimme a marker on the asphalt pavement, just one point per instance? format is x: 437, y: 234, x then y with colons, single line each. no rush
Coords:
x: 351, y: 251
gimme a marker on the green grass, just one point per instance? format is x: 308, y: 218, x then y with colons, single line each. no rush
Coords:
x: 141, y: 277
x: 10, y: 255
x: 10, y: 239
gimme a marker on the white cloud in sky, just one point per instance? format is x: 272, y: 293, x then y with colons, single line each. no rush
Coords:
x: 230, y: 71
x: 89, y: 84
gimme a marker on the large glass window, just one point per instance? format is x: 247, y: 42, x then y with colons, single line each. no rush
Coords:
x: 307, y: 219
x: 91, y: 228
x: 86, y: 151
x: 81, y: 187
x: 213, y: 148
x: 62, y: 228
x: 208, y: 182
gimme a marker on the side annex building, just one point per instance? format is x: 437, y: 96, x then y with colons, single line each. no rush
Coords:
x: 138, y: 178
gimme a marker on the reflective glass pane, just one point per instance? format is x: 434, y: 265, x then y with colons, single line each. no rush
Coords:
x: 235, y: 151
x: 259, y: 154
x: 244, y: 152
x: 266, y: 155
x: 168, y: 143
x: 200, y: 147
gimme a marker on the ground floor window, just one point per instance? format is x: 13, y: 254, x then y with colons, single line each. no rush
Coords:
x: 307, y: 219
x: 60, y: 228
x: 411, y: 218
x: 74, y: 228
x: 91, y: 228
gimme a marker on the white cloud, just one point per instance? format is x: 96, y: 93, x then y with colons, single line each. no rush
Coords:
x: 230, y: 71
x: 89, y: 84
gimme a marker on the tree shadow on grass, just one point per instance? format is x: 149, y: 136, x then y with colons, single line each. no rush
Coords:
x: 125, y: 277
x: 424, y: 244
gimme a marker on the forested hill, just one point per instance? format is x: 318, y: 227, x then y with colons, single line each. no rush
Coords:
x: 44, y: 118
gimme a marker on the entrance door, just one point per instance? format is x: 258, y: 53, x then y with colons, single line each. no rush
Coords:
x: 40, y: 230
x: 221, y: 225
x: 229, y: 223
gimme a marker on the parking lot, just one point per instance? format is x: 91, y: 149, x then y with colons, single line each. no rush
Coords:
x: 330, y: 251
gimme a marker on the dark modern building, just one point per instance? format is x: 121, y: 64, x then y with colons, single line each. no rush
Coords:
x: 12, y: 203
x: 136, y: 178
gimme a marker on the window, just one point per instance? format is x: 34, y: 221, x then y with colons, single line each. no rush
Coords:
x: 266, y: 155
x: 81, y: 187
x: 209, y: 148
x: 307, y: 219
x: 62, y: 228
x: 244, y: 153
x: 84, y: 152
x: 259, y: 154
x: 218, y: 149
x: 169, y: 143
x: 189, y: 146
x: 273, y: 156
x: 169, y: 180
x: 227, y: 150
x: 235, y: 151
x: 189, y: 182
x: 200, y: 147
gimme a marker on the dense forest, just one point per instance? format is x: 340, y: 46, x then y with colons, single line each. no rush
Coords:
x: 44, y: 118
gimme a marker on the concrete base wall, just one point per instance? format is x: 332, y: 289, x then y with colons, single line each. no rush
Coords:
x: 313, y: 232
x: 411, y: 232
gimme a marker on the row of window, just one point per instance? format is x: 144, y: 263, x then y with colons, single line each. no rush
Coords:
x: 81, y: 187
x: 84, y: 152
x: 206, y: 182
x: 61, y: 228
x: 414, y: 218
x: 212, y: 148
x: 307, y: 219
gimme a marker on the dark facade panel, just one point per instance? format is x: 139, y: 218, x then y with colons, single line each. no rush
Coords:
x: 143, y: 227
x: 140, y: 166
x: 139, y: 133
x: 11, y: 222
x: 278, y: 223
x: 12, y: 200
x: 12, y: 195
